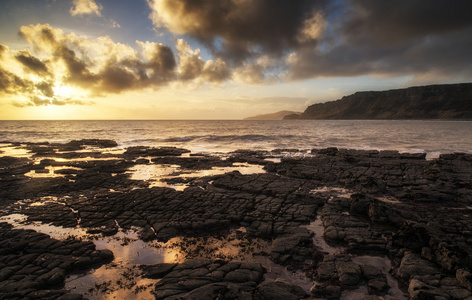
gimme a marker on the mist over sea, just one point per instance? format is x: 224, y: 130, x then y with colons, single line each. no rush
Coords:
x: 432, y: 137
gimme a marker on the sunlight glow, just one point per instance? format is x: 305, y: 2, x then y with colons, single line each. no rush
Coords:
x: 66, y: 91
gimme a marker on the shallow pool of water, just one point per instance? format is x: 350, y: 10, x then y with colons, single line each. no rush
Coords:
x: 157, y: 174
x: 318, y: 240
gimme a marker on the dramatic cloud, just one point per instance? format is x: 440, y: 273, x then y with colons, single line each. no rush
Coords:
x: 11, y: 83
x: 98, y: 66
x: 85, y: 7
x: 192, y: 66
x: 248, y: 41
x: 245, y: 27
x: 32, y: 64
x: 216, y: 71
x: 391, y: 23
x: 307, y: 39
x: 263, y: 69
x: 419, y: 38
x: 38, y: 92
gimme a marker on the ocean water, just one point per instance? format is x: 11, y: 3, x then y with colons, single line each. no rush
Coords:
x: 431, y: 137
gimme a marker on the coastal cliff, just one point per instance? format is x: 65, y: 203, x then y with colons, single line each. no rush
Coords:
x: 449, y: 101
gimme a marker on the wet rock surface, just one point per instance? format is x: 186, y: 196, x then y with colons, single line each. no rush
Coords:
x: 34, y: 266
x: 415, y: 213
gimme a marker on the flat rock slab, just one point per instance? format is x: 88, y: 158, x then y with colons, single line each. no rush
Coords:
x: 425, y: 229
x: 205, y: 279
x: 32, y: 264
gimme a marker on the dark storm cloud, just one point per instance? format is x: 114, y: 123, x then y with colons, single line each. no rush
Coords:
x: 419, y: 38
x: 328, y: 38
x: 191, y: 66
x: 31, y: 63
x: 162, y: 61
x: 78, y: 71
x: 131, y: 74
x: 389, y: 22
x: 46, y: 89
x: 253, y: 41
x: 37, y: 101
x: 216, y: 71
x: 245, y: 27
x: 11, y: 83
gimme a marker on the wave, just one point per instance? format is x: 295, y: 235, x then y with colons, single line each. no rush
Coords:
x: 227, y: 138
x: 180, y: 139
x: 143, y: 141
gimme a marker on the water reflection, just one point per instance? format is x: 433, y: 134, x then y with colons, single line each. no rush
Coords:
x: 20, y: 221
x: 122, y: 279
x: 158, y: 174
x: 234, y: 246
x: 332, y: 192
x: 52, y: 171
x: 318, y: 240
x: 16, y: 151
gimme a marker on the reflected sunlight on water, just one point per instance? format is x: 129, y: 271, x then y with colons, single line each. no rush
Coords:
x: 157, y: 174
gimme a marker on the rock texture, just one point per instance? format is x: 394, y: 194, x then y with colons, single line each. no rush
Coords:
x: 452, y: 101
x: 206, y: 279
x: 33, y: 265
x: 412, y: 212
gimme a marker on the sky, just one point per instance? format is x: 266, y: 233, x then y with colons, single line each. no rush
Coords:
x: 220, y: 59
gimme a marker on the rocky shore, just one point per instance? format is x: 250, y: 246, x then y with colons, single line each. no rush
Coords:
x: 365, y: 224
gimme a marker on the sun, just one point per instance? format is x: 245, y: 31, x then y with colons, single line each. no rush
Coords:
x: 66, y: 91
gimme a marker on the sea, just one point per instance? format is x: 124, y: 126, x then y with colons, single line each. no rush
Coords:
x: 413, y: 136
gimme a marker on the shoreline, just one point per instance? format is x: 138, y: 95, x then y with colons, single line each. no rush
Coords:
x: 401, y: 223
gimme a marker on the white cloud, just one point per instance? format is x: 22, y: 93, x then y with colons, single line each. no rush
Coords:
x: 85, y: 7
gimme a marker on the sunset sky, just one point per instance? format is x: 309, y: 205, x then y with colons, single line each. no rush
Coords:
x: 219, y: 59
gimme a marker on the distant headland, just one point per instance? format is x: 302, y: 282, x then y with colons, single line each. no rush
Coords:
x: 445, y: 101
x: 274, y: 116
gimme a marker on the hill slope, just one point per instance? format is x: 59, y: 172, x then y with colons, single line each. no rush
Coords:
x: 448, y: 101
x: 274, y: 116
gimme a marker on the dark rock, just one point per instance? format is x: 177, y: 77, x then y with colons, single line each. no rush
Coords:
x: 157, y: 271
x: 142, y: 161
x: 37, y: 263
x: 398, y: 208
x: 76, y: 144
x: 13, y: 162
x: 413, y: 265
x: 360, y: 204
x: 465, y: 278
x: 349, y: 273
x: 280, y: 290
x: 243, y: 275
x: 413, y: 236
x: 148, y: 151
x: 419, y: 290
x: 376, y: 280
